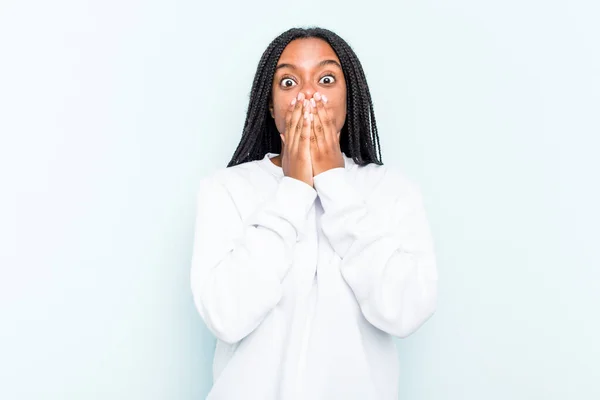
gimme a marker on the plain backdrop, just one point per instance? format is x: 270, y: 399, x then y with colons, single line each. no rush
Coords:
x: 112, y: 111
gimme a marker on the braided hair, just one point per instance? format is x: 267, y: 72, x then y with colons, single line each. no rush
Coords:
x: 358, y: 138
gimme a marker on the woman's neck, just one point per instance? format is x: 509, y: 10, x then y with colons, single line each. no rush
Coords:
x: 277, y: 160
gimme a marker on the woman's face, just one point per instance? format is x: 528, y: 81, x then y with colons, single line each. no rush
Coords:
x: 308, y: 65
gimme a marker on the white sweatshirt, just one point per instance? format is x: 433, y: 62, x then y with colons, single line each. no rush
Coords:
x: 305, y: 287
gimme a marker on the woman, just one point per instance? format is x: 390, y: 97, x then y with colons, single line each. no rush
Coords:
x: 309, y: 254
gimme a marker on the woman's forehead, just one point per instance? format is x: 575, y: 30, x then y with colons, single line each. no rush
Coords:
x: 307, y: 52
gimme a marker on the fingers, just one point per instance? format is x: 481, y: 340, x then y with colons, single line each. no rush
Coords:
x: 317, y: 141
x: 288, y: 120
x: 309, y: 123
x: 305, y: 139
x: 324, y: 125
x: 298, y: 127
x: 294, y: 124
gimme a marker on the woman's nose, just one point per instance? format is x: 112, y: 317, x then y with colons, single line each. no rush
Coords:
x: 308, y: 90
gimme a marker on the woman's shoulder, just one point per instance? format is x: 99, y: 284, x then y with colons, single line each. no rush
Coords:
x: 248, y: 172
x: 384, y: 179
x: 243, y: 185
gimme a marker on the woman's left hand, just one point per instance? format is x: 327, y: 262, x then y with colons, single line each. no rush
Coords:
x: 325, y: 148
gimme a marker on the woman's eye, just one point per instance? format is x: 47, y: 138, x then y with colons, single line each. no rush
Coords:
x: 327, y: 80
x: 287, y: 82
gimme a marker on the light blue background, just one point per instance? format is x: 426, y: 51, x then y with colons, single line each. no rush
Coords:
x: 111, y: 112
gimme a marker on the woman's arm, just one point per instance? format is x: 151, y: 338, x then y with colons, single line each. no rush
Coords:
x: 238, y: 266
x: 387, y: 252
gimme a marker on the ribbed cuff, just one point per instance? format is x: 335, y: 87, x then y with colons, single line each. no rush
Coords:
x: 335, y: 191
x: 295, y: 199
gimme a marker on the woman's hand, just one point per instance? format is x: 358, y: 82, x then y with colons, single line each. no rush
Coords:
x: 325, y: 148
x: 296, y: 158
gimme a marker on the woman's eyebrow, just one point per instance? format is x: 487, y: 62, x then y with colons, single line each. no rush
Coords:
x: 285, y: 65
x: 321, y: 64
x: 330, y: 62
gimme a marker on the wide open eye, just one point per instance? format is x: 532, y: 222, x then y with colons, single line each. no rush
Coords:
x: 287, y: 82
x: 327, y: 80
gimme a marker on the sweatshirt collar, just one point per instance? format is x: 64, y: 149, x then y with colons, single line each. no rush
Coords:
x: 267, y: 164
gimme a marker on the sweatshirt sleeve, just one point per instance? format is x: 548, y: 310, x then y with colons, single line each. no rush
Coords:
x: 387, y: 252
x: 238, y: 266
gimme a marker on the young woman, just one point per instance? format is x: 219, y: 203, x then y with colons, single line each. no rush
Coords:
x: 309, y: 254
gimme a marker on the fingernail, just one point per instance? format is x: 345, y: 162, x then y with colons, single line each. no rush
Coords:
x: 306, y: 103
x: 312, y: 102
x: 306, y: 114
x: 294, y: 101
x: 312, y: 117
x: 324, y: 99
x: 300, y: 96
x: 317, y: 96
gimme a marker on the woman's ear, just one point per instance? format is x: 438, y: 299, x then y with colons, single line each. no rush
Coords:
x: 271, y: 109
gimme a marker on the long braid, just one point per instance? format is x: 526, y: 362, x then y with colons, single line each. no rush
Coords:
x: 260, y: 134
x: 363, y: 116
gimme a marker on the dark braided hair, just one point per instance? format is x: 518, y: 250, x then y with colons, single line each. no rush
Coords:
x: 358, y: 138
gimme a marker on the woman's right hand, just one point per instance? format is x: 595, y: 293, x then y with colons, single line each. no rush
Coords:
x: 296, y: 161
